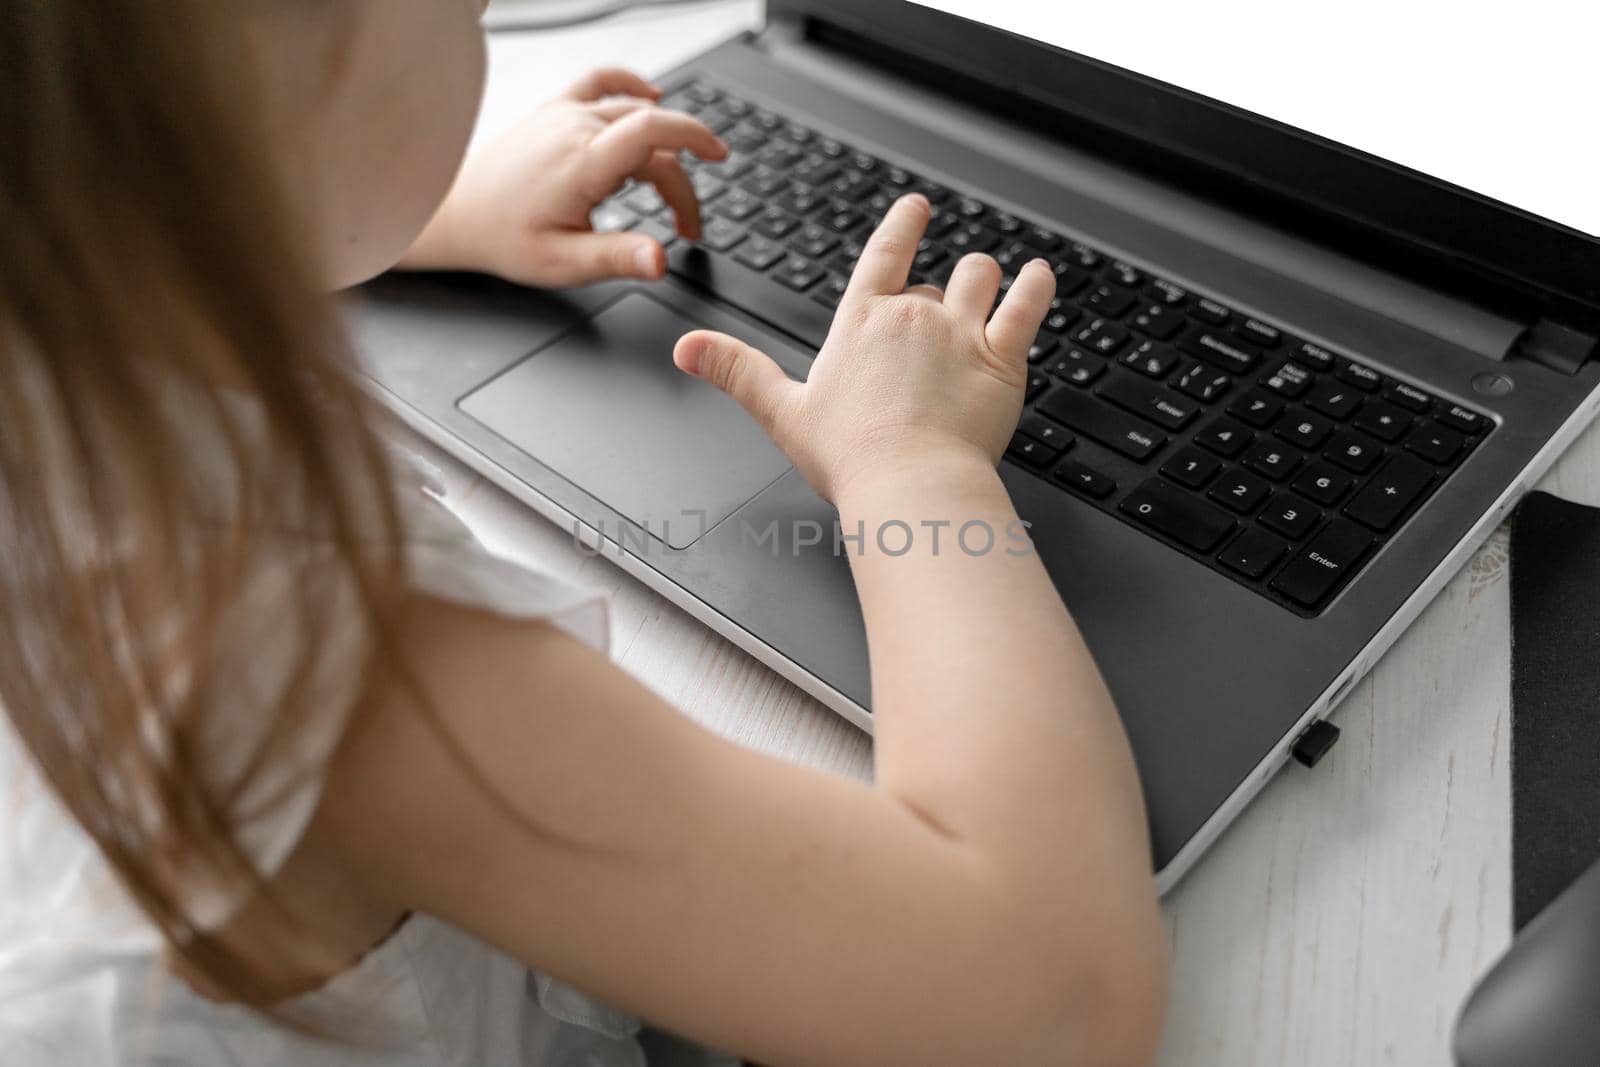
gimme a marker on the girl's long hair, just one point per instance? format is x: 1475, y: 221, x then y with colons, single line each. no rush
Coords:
x: 145, y: 239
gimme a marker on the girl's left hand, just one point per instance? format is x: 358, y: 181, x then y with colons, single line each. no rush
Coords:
x: 520, y: 207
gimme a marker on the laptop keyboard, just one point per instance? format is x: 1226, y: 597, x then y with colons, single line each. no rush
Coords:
x: 1270, y: 459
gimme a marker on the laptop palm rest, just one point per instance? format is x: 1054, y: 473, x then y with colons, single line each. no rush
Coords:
x: 603, y: 406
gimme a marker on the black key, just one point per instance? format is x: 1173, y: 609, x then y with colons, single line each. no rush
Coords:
x: 1460, y: 418
x: 720, y: 234
x: 1191, y: 467
x: 1289, y: 515
x: 1289, y: 380
x: 1260, y: 409
x: 852, y: 186
x: 1161, y: 406
x: 796, y: 133
x: 1260, y: 333
x: 745, y: 138
x: 813, y: 241
x: 707, y: 187
x: 738, y: 205
x: 611, y: 217
x: 1075, y: 365
x: 1353, y: 452
x: 775, y: 223
x: 1318, y: 568
x: 1383, y: 421
x: 830, y: 148
x: 1178, y: 515
x: 801, y: 201
x: 1060, y: 321
x: 1125, y: 434
x: 735, y: 166
x: 1069, y: 279
x: 1335, y: 401
x: 1239, y: 490
x: 1224, y: 437
x: 760, y: 253
x: 1106, y: 338
x: 1390, y: 493
x: 1113, y: 301
x: 1125, y: 274
x: 898, y: 177
x: 1151, y: 359
x: 1253, y: 553
x: 798, y: 273
x: 703, y: 94
x: 1218, y: 351
x: 929, y: 258
x: 842, y: 222
x: 1042, y: 239
x: 1314, y: 356
x: 1323, y: 483
x: 1159, y: 321
x: 1044, y: 431
x: 1166, y: 294
x: 644, y: 199
x: 844, y: 260
x: 1433, y: 442
x: 1409, y: 397
x: 1306, y: 431
x: 831, y: 291
x: 779, y: 155
x: 1210, y: 311
x: 1030, y: 452
x: 764, y: 182
x: 1274, y: 460
x: 1085, y: 480
x: 1083, y: 255
x: 972, y: 237
x: 1364, y: 378
x: 1043, y: 347
x: 1038, y: 382
x: 1203, y: 383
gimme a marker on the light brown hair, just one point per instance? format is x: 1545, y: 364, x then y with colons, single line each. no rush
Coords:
x: 144, y: 239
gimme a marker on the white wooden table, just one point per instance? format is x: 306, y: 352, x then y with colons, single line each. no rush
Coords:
x: 1344, y: 917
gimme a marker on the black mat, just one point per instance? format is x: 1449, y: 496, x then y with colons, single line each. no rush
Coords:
x: 1555, y: 699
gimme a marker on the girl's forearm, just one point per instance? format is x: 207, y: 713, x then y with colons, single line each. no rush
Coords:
x: 990, y: 716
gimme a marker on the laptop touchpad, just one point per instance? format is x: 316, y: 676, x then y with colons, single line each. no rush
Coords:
x: 603, y: 406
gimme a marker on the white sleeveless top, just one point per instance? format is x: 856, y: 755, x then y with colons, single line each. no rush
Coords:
x: 81, y: 981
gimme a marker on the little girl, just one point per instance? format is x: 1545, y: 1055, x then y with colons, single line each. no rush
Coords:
x: 296, y: 773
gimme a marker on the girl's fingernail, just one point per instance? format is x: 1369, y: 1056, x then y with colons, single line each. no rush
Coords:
x: 644, y: 261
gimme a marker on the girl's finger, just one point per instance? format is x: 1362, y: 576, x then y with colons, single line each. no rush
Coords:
x: 579, y: 258
x: 885, y: 262
x: 611, y: 81
x: 927, y: 292
x: 615, y: 108
x: 629, y: 143
x: 748, y: 375
x: 1016, y: 321
x: 972, y: 287
x: 666, y: 173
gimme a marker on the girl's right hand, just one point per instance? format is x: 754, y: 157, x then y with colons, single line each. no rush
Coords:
x: 906, y: 378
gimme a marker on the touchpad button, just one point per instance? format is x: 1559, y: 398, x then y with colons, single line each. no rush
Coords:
x: 603, y: 406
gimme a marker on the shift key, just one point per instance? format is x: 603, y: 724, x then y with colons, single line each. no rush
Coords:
x: 1318, y: 568
x: 1132, y: 437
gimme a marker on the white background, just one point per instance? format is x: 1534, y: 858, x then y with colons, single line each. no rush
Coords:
x: 1499, y: 98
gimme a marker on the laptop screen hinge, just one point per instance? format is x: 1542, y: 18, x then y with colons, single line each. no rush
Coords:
x: 1555, y: 346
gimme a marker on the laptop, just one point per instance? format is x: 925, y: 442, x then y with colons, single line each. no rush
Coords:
x: 1288, y: 385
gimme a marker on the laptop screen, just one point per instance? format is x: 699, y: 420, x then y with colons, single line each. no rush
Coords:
x: 1500, y: 99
